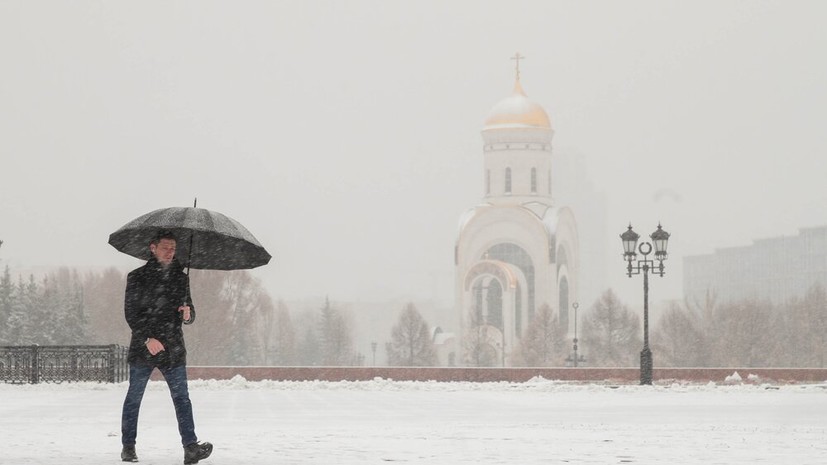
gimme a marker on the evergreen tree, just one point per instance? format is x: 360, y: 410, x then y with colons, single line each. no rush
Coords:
x: 26, y: 313
x: 281, y: 341
x: 6, y: 303
x: 64, y: 306
x: 411, y: 343
x: 335, y: 337
x: 611, y: 333
x: 309, y: 349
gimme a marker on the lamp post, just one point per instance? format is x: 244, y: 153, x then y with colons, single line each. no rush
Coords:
x: 575, y: 306
x: 373, y: 348
x: 634, y: 266
x: 574, y: 360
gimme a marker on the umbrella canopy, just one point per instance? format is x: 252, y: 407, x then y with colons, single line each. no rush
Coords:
x: 207, y: 240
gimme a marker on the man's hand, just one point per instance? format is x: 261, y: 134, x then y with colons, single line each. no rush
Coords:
x: 185, y: 312
x: 154, y: 346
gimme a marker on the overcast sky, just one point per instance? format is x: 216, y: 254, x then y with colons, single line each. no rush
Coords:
x: 346, y: 135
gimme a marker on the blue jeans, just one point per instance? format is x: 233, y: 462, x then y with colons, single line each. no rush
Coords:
x: 176, y: 378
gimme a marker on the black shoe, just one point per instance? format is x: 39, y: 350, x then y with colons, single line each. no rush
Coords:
x: 128, y: 454
x: 196, y: 451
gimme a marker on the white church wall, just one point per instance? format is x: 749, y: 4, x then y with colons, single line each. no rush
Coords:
x: 520, y: 162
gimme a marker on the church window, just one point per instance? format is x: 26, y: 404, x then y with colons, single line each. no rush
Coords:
x: 564, y: 303
x: 494, y: 304
x: 508, y: 180
x: 488, y: 304
x: 533, y: 180
x: 477, y: 317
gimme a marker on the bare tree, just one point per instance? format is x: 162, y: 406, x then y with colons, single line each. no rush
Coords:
x: 679, y: 340
x: 543, y: 343
x: 812, y: 343
x: 479, y: 341
x: 740, y: 335
x: 611, y: 333
x: 411, y: 343
x: 103, y: 295
x: 209, y: 339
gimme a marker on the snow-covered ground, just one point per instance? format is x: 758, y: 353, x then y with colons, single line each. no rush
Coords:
x: 383, y: 421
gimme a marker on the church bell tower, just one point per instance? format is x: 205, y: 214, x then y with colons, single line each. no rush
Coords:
x: 516, y: 250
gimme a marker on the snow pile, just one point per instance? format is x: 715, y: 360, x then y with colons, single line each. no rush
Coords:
x: 734, y: 378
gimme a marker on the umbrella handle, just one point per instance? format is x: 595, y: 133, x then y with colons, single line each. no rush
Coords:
x: 192, y: 317
x: 187, y: 298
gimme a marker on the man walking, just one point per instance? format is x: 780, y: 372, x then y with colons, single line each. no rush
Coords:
x: 157, y: 301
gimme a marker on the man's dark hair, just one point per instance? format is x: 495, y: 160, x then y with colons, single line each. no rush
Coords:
x: 164, y: 234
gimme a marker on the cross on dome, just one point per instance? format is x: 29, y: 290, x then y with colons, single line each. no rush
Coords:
x: 517, y: 57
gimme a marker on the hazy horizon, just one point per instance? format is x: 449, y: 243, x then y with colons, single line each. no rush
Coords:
x: 346, y: 136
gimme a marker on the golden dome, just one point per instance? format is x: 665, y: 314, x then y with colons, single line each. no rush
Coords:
x: 517, y: 111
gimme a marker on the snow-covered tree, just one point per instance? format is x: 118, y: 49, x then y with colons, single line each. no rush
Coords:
x: 7, y: 289
x: 26, y: 312
x: 62, y: 309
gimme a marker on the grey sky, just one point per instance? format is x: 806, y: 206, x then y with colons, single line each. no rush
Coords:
x: 345, y: 135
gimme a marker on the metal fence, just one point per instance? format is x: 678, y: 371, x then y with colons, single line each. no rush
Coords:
x: 56, y: 364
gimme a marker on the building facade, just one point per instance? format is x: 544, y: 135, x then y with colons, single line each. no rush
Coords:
x: 775, y: 269
x: 516, y: 250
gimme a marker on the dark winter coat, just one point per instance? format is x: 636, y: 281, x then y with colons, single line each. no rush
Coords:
x: 152, y: 298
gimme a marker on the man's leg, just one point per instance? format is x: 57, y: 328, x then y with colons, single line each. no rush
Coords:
x: 176, y: 378
x: 138, y: 377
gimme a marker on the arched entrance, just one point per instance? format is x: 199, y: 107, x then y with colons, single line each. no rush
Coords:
x: 493, y: 290
x: 515, y: 255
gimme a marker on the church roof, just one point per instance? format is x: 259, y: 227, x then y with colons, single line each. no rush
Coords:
x: 517, y: 112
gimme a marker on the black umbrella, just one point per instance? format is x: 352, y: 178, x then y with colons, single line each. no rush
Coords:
x: 207, y: 240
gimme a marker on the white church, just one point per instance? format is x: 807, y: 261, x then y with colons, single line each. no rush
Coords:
x: 517, y: 250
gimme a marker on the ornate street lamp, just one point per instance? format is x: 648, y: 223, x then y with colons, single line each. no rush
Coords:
x: 634, y: 266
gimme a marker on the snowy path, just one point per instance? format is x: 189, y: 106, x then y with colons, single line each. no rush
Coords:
x: 382, y: 422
